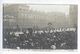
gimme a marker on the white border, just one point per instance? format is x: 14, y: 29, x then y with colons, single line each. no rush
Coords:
x: 39, y: 2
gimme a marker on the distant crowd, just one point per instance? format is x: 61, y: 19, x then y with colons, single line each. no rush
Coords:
x: 40, y: 40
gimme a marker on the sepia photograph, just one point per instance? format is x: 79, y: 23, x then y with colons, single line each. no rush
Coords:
x: 40, y: 26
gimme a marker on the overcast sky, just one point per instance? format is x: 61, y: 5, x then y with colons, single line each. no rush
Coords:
x: 51, y: 8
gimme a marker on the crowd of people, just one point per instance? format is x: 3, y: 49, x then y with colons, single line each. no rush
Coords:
x: 54, y: 40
